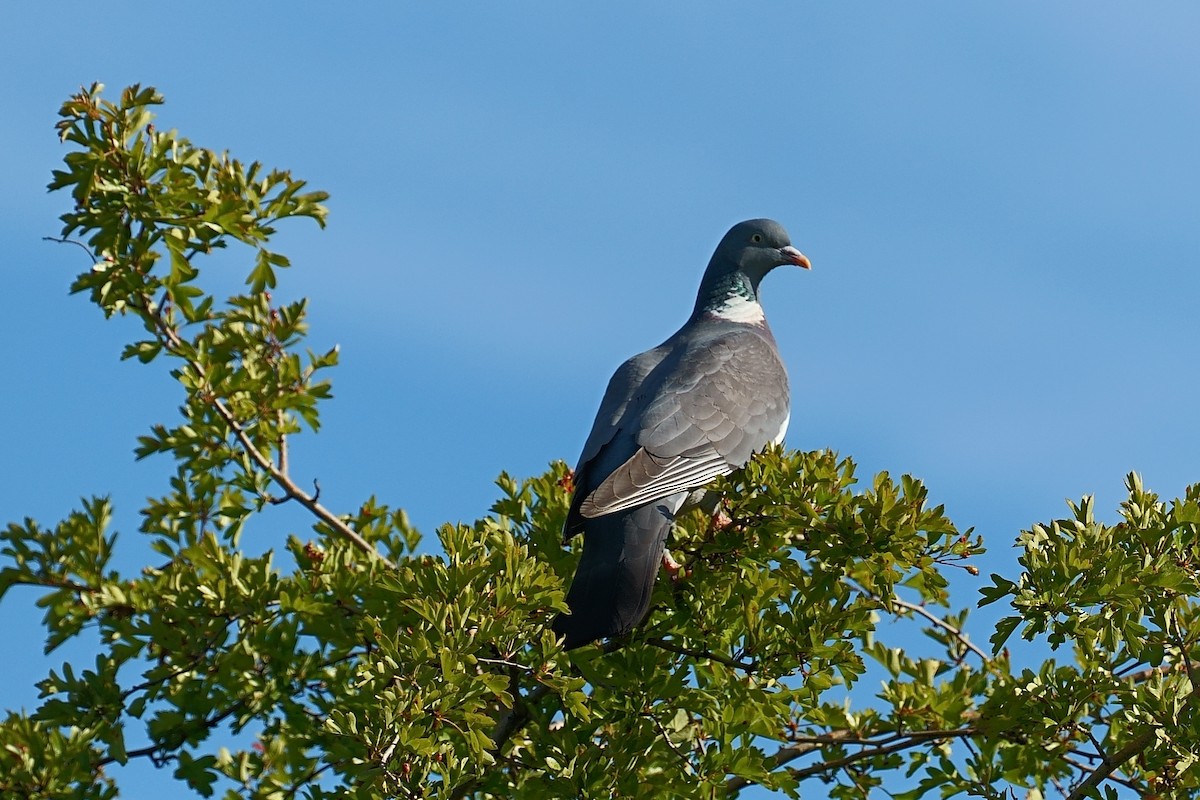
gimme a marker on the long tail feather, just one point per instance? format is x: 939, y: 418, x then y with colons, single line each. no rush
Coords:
x: 614, y: 581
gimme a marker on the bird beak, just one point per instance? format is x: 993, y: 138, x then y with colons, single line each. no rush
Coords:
x: 793, y: 256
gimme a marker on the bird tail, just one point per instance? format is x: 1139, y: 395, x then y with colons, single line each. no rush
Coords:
x: 614, y: 581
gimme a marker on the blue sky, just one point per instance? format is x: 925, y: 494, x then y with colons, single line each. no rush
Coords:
x: 1001, y: 203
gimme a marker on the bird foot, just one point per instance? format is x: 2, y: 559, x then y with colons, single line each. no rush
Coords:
x: 720, y: 519
x: 674, y: 569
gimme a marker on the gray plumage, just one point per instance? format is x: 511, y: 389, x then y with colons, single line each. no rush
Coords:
x: 672, y: 419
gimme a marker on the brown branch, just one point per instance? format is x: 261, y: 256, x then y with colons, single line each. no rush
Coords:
x: 941, y: 623
x: 937, y: 621
x: 874, y: 747
x: 788, y: 753
x: 283, y: 447
x: 1110, y: 764
x: 511, y: 722
x: 1146, y: 674
x: 295, y: 788
x: 293, y: 491
x: 1184, y: 646
x: 507, y: 725
x: 732, y: 663
x: 190, y: 665
x: 909, y: 740
x: 666, y: 737
x: 281, y: 478
x: 52, y: 582
x: 161, y: 752
x: 63, y: 240
x: 1082, y: 767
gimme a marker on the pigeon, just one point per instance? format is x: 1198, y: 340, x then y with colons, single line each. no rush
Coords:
x: 673, y: 419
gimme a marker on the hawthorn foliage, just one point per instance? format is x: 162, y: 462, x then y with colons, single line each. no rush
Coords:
x: 365, y: 662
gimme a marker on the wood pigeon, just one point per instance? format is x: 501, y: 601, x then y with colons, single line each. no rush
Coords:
x: 672, y: 419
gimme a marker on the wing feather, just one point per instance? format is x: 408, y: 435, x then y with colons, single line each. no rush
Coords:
x: 723, y: 398
x: 645, y: 478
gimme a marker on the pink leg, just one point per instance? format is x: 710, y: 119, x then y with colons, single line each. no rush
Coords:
x: 721, y: 519
x: 674, y: 569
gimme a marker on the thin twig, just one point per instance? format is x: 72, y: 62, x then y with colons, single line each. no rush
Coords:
x: 1099, y: 754
x: 788, y: 753
x: 733, y: 663
x: 791, y: 752
x: 307, y: 779
x: 289, y: 487
x: 933, y: 618
x: 388, y: 751
x: 504, y: 663
x: 51, y: 582
x: 161, y: 752
x: 1148, y: 673
x: 1187, y: 664
x: 61, y: 240
x: 910, y: 740
x: 280, y: 477
x: 662, y: 731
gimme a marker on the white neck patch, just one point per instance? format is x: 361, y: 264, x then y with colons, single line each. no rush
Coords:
x: 739, y: 309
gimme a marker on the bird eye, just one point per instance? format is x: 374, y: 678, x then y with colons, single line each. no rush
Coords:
x: 756, y: 237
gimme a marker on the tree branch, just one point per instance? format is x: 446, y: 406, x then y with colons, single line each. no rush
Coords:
x: 1082, y: 767
x: 511, y: 722
x: 283, y: 446
x: 293, y: 491
x: 508, y: 725
x: 872, y: 747
x: 788, y: 753
x: 1110, y: 764
x: 1144, y: 675
x: 162, y: 752
x: 294, y: 789
x: 684, y: 761
x: 937, y: 621
x: 62, y: 240
x: 51, y: 582
x: 278, y: 475
x: 732, y: 663
x: 905, y: 741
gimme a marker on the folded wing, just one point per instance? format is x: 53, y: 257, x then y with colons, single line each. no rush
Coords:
x: 722, y: 399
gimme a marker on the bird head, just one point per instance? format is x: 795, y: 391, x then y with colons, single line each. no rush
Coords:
x: 757, y: 246
x: 752, y: 248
